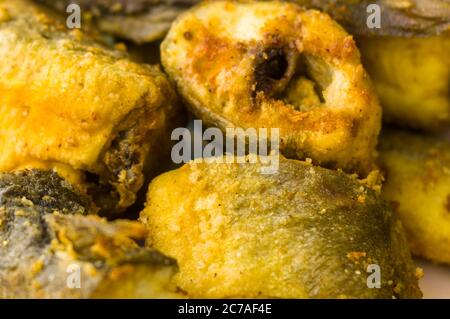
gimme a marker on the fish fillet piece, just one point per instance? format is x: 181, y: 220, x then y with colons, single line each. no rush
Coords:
x: 140, y: 21
x: 412, y: 78
x: 305, y: 232
x: 71, y: 104
x: 407, y: 58
x: 52, y: 247
x: 276, y: 65
x: 417, y: 169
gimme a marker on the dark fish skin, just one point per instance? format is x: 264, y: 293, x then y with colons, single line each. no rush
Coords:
x: 398, y: 17
x: 140, y: 21
x: 148, y: 20
x: 46, y: 227
x: 117, y: 6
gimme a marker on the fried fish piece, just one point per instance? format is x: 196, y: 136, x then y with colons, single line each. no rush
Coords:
x: 407, y: 57
x: 304, y: 232
x: 140, y: 21
x: 399, y: 18
x: 70, y: 104
x: 412, y: 78
x: 418, y: 184
x: 236, y: 65
x: 52, y: 248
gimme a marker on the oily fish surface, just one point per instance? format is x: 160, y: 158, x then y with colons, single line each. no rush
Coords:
x: 53, y: 247
x: 305, y: 232
x: 412, y: 78
x: 418, y: 184
x: 63, y: 97
x: 238, y: 65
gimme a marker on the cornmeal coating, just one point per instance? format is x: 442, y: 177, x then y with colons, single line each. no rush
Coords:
x: 70, y: 104
x: 242, y: 64
x: 304, y: 232
x: 417, y: 169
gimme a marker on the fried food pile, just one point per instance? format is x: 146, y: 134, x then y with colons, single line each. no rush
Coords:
x: 407, y: 57
x: 71, y: 104
x: 86, y: 126
x: 52, y: 246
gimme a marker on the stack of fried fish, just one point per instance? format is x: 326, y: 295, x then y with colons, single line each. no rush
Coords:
x: 85, y: 130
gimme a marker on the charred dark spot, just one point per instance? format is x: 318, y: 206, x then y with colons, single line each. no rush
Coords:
x: 102, y: 193
x: 92, y: 178
x: 188, y: 35
x: 125, y: 151
x: 272, y: 65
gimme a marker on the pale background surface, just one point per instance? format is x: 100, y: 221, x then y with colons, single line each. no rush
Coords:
x: 436, y: 282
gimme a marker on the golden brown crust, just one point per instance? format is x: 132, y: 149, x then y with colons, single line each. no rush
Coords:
x: 412, y: 79
x: 215, y: 53
x: 417, y: 172
x: 295, y: 234
x: 66, y: 102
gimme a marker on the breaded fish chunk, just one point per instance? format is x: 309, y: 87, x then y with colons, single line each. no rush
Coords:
x: 275, y: 65
x: 305, y: 232
x: 146, y: 20
x: 412, y: 78
x: 407, y: 56
x: 417, y: 169
x: 70, y: 104
x: 399, y: 18
x: 52, y: 248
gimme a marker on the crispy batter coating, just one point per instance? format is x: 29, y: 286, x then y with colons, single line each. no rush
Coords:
x: 407, y: 58
x: 46, y: 241
x: 233, y: 63
x: 418, y: 185
x: 305, y: 232
x: 412, y: 78
x: 69, y: 103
